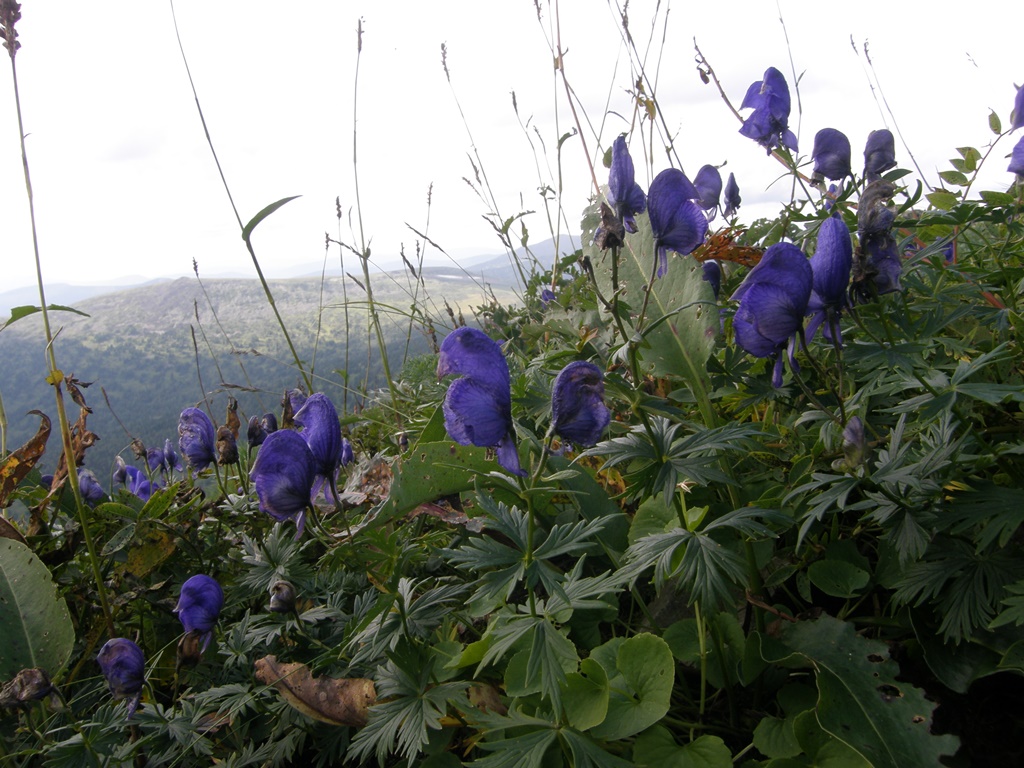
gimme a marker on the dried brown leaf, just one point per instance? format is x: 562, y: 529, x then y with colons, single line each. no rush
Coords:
x: 333, y: 700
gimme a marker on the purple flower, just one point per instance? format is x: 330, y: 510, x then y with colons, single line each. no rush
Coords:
x: 296, y: 398
x: 768, y: 124
x: 171, y: 458
x: 1017, y: 117
x: 879, y: 154
x: 1017, y: 160
x: 708, y: 182
x: 676, y: 221
x: 283, y: 474
x: 713, y: 274
x: 478, y: 406
x: 322, y: 432
x: 124, y: 666
x: 120, y: 473
x: 855, y: 444
x: 138, y: 483
x: 773, y: 301
x: 199, y: 604
x: 547, y: 296
x: 155, y: 460
x: 624, y: 194
x: 255, y: 433
x: 831, y: 155
x: 878, y: 259
x: 578, y: 412
x: 830, y: 265
x: 89, y: 486
x: 197, y: 438
x: 347, y: 454
x: 732, y: 197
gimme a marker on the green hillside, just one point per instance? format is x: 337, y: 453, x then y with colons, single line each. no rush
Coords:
x: 137, y: 347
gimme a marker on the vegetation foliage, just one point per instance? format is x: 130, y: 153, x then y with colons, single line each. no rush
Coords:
x: 823, y: 569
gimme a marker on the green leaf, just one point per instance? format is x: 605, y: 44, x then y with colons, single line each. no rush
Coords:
x: 37, y: 630
x: 585, y: 695
x: 641, y: 673
x: 996, y: 198
x: 942, y: 199
x: 119, y: 540
x: 17, y: 313
x: 430, y: 471
x: 838, y: 578
x: 775, y: 737
x: 954, y: 177
x: 653, y: 516
x: 682, y: 317
x: 523, y: 751
x: 860, y: 701
x: 994, y: 123
x: 248, y: 228
x: 656, y: 748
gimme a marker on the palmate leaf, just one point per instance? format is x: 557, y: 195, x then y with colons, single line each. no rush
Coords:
x: 414, y: 706
x: 709, y: 570
x: 667, y: 455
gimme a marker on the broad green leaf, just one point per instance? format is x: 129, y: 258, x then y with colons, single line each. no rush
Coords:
x: 433, y: 470
x: 838, y: 578
x: 37, y: 629
x: 585, y: 695
x: 641, y: 673
x: 653, y: 516
x: 656, y: 748
x: 942, y: 200
x: 775, y: 737
x: 682, y: 321
x: 860, y: 701
x: 254, y: 222
x: 17, y: 313
x: 684, y: 640
x: 997, y: 198
x: 953, y: 177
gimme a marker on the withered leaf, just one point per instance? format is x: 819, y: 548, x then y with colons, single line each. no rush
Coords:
x: 8, y: 531
x: 333, y: 700
x: 16, y: 466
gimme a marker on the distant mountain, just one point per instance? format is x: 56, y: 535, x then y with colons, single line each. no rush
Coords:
x: 155, y: 349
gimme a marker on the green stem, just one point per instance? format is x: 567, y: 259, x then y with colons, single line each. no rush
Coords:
x: 55, y: 375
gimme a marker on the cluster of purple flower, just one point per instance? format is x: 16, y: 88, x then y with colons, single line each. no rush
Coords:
x: 292, y: 466
x: 122, y: 661
x: 478, y: 405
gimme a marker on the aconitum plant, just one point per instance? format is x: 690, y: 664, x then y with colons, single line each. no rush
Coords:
x: 768, y: 124
x: 578, y: 412
x: 478, y: 406
x: 625, y: 196
x: 831, y: 155
x: 283, y: 474
x: 773, y: 302
x: 197, y: 438
x: 677, y: 222
x: 124, y: 667
x: 199, y: 604
x: 831, y: 265
x: 879, y: 154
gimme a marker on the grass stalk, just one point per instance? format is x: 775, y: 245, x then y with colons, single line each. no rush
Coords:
x: 54, y: 375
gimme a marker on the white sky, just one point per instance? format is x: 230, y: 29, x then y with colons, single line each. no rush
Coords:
x: 125, y: 184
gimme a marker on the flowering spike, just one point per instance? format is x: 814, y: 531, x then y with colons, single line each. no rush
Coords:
x: 478, y: 406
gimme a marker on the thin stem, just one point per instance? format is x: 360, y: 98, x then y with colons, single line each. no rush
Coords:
x: 55, y: 375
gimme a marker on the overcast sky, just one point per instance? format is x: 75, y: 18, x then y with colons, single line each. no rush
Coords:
x: 125, y: 184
